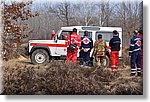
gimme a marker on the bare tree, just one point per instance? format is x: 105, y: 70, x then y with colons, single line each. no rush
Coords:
x: 62, y: 11
x: 104, y: 12
x: 127, y: 17
x: 84, y: 13
x: 54, y: 15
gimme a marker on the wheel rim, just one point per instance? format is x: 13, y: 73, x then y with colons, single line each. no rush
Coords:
x: 40, y: 58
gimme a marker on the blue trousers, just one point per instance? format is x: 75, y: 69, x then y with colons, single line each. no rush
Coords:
x: 135, y: 62
x: 84, y: 57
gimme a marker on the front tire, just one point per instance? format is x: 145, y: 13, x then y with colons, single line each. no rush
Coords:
x: 40, y: 56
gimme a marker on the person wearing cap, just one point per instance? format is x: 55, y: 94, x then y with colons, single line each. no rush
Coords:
x: 140, y: 35
x: 135, y: 48
x: 85, y: 49
x: 99, y: 53
x: 114, y: 43
x: 73, y: 43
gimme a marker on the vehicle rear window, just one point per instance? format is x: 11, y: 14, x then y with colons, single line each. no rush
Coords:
x: 81, y: 33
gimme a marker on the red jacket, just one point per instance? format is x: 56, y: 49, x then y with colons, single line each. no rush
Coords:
x: 75, y: 39
x: 141, y: 36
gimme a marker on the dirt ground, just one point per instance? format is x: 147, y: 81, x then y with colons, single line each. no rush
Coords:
x: 22, y: 77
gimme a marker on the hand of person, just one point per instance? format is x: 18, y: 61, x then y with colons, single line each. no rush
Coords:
x: 130, y: 54
x: 86, y: 49
x: 93, y: 57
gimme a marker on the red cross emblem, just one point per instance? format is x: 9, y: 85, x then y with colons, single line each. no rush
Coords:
x: 85, y: 40
x: 138, y: 43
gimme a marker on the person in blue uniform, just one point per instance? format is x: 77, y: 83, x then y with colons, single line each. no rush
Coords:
x: 85, y: 49
x: 135, y: 49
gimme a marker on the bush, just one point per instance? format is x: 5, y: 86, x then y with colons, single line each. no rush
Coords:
x: 58, y: 78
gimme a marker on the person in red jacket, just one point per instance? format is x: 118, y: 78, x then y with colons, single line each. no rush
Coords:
x: 140, y: 35
x: 73, y: 44
x: 53, y: 35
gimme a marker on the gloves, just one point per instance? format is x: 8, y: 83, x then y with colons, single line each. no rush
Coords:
x: 130, y: 54
x: 80, y: 48
x: 86, y: 49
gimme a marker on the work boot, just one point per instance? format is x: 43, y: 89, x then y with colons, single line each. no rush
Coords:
x: 139, y: 74
x: 132, y: 74
x: 114, y: 69
x: 86, y: 67
x: 81, y: 65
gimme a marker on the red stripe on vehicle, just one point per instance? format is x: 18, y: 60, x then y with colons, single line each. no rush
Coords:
x: 50, y: 45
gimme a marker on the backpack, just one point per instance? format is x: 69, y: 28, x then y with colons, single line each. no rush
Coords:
x: 72, y: 46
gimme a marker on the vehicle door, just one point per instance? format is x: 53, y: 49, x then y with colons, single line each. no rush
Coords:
x: 61, y: 48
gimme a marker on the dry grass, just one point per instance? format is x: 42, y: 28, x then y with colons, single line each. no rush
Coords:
x: 58, y: 78
x: 21, y: 77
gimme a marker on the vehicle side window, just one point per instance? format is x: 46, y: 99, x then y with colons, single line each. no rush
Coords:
x: 63, y: 35
x: 105, y: 35
x: 81, y: 33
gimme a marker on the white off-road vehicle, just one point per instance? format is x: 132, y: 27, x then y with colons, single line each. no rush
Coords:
x: 41, y: 51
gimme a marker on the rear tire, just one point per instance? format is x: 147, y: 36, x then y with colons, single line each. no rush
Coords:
x: 106, y: 65
x: 40, y: 56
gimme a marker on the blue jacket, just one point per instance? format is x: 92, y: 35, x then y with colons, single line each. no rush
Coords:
x: 86, y: 42
x: 114, y: 43
x: 135, y: 44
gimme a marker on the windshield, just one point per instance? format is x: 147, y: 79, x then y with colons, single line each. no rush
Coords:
x: 105, y: 35
x: 63, y: 35
x: 57, y: 32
